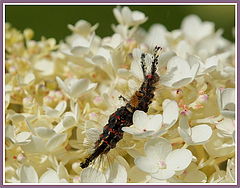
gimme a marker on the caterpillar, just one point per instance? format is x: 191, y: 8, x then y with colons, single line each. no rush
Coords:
x: 112, y: 132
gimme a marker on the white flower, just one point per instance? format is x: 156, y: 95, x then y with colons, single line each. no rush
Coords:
x: 103, y: 60
x: 75, y: 88
x: 66, y: 123
x: 57, y: 111
x: 82, y: 27
x: 79, y: 46
x: 36, y: 145
x: 211, y: 45
x: 92, y: 175
x: 170, y: 113
x: 226, y: 127
x: 117, y: 173
x: 45, y: 67
x: 156, y: 36
x: 44, y: 132
x: 179, y: 72
x: 51, y: 176
x: 226, y: 102
x: 127, y: 17
x: 150, y: 125
x: 217, y: 63
x: 136, y: 69
x: 29, y: 175
x: 112, y: 42
x: 143, y: 124
x: 160, y: 161
x: 210, y: 64
x: 194, y: 29
x: 197, y: 135
x: 20, y: 138
x: 55, y: 142
x: 43, y: 140
x: 26, y: 79
x: 183, y: 49
x: 226, y: 65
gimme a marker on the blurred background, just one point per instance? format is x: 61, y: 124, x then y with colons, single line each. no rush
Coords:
x: 52, y: 20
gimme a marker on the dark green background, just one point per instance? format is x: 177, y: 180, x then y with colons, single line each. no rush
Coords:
x: 52, y: 20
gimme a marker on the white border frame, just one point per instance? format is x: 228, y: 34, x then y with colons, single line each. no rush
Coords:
x: 119, y: 3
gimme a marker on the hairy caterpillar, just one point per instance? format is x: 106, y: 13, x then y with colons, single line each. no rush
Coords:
x: 112, y: 131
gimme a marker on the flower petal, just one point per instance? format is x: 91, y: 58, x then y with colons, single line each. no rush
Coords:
x: 49, y: 176
x: 61, y: 107
x: 41, y: 67
x: 66, y: 123
x: 138, y: 16
x: 127, y: 15
x: 146, y: 164
x: 44, y: 132
x: 179, y: 159
x: 78, y: 87
x: 165, y: 57
x: 184, y: 130
x: 132, y: 130
x: 37, y: 145
x: 201, y: 133
x: 28, y: 78
x: 226, y: 127
x: 56, y: 141
x: 62, y: 171
x: 117, y: 174
x: 91, y: 175
x: 50, y: 112
x: 170, y: 113
x: 140, y: 119
x: 62, y: 85
x: 182, y: 65
x: 136, y: 69
x: 194, y: 29
x: 154, y: 122
x: 117, y: 14
x: 9, y: 132
x: 138, y: 133
x: 163, y: 174
x: 211, y: 64
x: 80, y: 50
x: 157, y: 36
x: 28, y: 174
x: 157, y: 149
x: 228, y: 99
x: 181, y: 82
x: 23, y: 137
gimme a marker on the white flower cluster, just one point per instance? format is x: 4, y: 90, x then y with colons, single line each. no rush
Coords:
x: 58, y: 97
